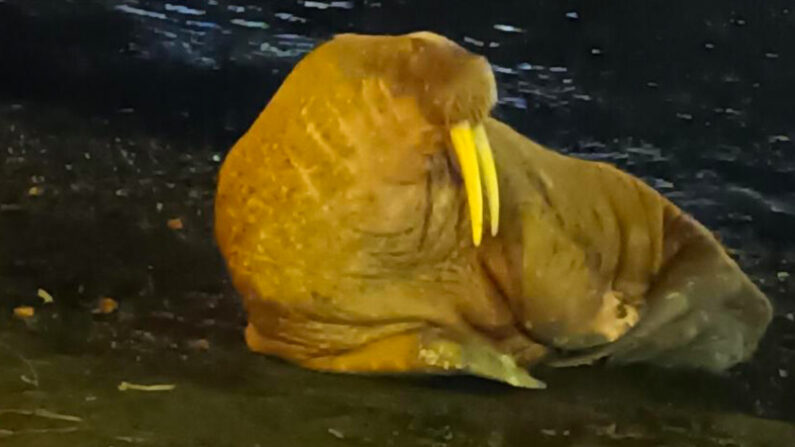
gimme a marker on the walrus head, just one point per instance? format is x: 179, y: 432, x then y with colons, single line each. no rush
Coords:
x: 452, y: 89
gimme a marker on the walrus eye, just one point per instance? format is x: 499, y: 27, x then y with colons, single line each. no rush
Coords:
x: 475, y: 157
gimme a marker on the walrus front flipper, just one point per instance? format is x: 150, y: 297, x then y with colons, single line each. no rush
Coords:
x: 395, y: 347
x: 702, y: 311
x: 428, y: 351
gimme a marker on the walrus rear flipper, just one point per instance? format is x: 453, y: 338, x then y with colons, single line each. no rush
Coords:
x: 702, y: 311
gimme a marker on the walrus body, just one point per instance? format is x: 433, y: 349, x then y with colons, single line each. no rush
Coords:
x: 344, y: 224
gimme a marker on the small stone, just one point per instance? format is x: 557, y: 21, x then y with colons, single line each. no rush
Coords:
x: 24, y: 312
x: 45, y: 296
x: 106, y: 306
x: 336, y: 433
x: 201, y: 344
x: 175, y: 224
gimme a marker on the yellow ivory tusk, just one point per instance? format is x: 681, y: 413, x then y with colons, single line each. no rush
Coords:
x: 489, y: 169
x: 465, y: 149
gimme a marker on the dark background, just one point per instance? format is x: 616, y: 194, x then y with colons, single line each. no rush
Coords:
x: 119, y: 113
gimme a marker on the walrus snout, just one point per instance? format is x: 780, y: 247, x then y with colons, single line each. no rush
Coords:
x: 450, y: 83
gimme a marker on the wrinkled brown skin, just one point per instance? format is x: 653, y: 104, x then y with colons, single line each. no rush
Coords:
x: 344, y: 224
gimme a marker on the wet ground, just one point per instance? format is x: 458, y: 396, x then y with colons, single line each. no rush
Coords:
x: 114, y: 117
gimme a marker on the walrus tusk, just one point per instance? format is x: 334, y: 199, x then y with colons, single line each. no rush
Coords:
x: 486, y: 159
x: 474, y: 155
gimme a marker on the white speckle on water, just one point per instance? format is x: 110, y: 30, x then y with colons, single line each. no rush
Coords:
x: 783, y: 373
x: 289, y: 17
x: 514, y: 101
x: 323, y: 5
x: 504, y: 70
x: 140, y: 12
x: 596, y: 51
x: 180, y: 9
x: 508, y: 28
x: 202, y: 24
x: 771, y: 55
x: 573, y: 15
x: 265, y: 47
x: 473, y: 41
x: 250, y: 23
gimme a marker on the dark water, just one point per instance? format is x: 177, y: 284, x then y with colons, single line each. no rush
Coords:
x: 114, y: 117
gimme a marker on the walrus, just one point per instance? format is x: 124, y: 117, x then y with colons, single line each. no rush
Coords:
x: 376, y: 219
